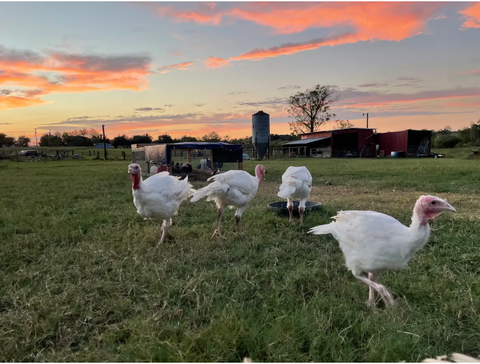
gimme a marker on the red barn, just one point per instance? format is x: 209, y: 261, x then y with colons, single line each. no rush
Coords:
x: 409, y: 143
x: 348, y: 142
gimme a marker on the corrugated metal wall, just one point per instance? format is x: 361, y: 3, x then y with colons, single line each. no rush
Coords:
x: 318, y: 134
x: 358, y: 142
x: 393, y: 142
x: 413, y: 143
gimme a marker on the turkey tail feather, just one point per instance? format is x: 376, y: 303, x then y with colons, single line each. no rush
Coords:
x: 286, y: 190
x: 207, y: 191
x: 322, y: 229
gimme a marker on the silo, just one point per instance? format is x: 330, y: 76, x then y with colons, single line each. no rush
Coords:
x: 260, y: 133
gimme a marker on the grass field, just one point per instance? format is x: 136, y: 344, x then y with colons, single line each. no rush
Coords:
x: 80, y: 279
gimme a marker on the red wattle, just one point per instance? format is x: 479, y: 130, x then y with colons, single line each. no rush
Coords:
x: 135, y: 182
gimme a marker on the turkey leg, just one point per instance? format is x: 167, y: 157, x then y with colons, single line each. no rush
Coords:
x: 237, y: 219
x: 167, y: 223
x: 301, y: 210
x: 387, y: 297
x: 290, y: 209
x: 218, y: 231
x: 371, y: 291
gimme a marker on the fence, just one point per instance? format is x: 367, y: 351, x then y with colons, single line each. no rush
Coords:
x: 17, y: 154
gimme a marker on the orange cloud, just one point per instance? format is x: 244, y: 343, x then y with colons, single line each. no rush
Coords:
x: 385, y: 20
x: 472, y: 15
x: 382, y: 21
x: 180, y: 66
x: 471, y: 72
x: 11, y: 102
x: 202, y: 16
x: 285, y: 49
x: 27, y: 75
x: 348, y: 20
x: 291, y: 48
x: 216, y: 62
x: 463, y: 104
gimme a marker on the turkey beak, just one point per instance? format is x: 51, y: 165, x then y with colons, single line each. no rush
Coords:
x: 449, y: 207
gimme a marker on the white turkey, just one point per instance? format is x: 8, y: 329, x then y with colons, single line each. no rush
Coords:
x: 373, y: 242
x: 159, y: 196
x: 232, y: 188
x: 296, y: 184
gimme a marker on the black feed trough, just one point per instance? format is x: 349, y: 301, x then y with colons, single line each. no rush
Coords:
x: 281, y: 207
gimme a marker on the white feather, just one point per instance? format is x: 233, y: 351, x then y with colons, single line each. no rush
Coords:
x: 372, y: 241
x: 232, y: 188
x: 159, y: 196
x: 296, y: 184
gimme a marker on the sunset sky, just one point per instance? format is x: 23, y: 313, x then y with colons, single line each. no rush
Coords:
x: 191, y: 68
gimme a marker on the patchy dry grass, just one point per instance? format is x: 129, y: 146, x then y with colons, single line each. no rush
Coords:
x: 80, y: 280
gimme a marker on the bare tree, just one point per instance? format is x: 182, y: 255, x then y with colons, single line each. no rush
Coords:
x: 343, y: 124
x: 311, y: 108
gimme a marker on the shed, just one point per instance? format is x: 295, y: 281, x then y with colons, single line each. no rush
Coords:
x: 347, y: 142
x: 313, y: 147
x: 161, y: 154
x: 413, y: 143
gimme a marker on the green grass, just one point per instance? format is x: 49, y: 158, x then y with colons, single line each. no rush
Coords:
x: 80, y: 279
x: 458, y: 152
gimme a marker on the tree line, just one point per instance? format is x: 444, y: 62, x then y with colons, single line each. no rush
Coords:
x: 87, y: 138
x: 466, y: 137
x: 213, y: 137
x: 6, y: 141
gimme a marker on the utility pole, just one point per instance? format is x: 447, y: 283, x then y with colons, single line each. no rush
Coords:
x: 36, y: 141
x: 104, y: 143
x: 367, y: 118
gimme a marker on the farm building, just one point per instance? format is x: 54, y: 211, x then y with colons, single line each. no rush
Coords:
x: 410, y: 143
x: 313, y: 147
x: 163, y: 154
x: 260, y: 134
x: 348, y: 142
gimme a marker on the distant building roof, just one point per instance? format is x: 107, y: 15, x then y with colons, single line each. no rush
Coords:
x: 260, y: 113
x: 206, y: 145
x: 329, y: 131
x: 297, y: 143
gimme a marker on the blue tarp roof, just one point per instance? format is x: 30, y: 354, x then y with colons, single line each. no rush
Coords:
x: 206, y: 145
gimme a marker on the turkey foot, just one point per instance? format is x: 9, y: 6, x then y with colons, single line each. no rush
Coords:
x: 217, y: 234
